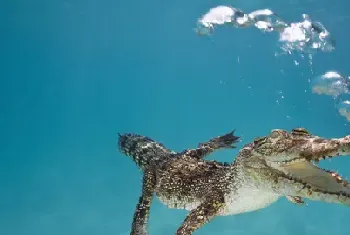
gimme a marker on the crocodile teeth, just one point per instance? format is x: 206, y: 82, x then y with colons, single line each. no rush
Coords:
x: 324, y: 158
x: 325, y: 181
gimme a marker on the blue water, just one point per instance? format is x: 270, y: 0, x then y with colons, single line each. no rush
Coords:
x: 75, y: 73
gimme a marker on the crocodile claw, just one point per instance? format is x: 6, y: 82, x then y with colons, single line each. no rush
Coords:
x: 224, y: 141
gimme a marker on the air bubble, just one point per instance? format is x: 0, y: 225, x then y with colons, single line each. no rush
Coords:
x: 222, y: 15
x: 306, y: 36
x: 331, y: 83
x: 267, y: 21
x: 343, y: 106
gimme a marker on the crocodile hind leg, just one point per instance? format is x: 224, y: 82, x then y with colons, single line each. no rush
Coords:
x: 201, y: 215
x: 141, y: 215
x: 206, y: 148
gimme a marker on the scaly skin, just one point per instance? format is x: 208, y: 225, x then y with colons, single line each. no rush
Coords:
x: 277, y: 165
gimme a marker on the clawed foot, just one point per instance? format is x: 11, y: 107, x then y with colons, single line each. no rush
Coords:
x: 224, y: 141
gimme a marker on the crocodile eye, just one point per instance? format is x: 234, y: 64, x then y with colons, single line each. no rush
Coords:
x: 275, y: 134
x: 300, y: 132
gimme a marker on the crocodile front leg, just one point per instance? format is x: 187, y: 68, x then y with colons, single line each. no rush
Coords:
x: 141, y: 215
x: 206, y: 148
x: 201, y: 215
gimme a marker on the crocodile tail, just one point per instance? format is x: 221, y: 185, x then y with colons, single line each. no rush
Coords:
x: 142, y: 149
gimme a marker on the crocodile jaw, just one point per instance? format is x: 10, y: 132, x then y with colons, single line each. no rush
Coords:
x: 308, y: 172
x: 307, y: 180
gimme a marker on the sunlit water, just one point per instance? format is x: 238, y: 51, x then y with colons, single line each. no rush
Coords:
x: 75, y: 73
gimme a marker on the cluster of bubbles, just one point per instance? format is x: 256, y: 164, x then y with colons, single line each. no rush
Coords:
x: 337, y: 86
x: 306, y: 36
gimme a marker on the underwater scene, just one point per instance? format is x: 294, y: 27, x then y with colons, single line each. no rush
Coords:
x: 175, y: 117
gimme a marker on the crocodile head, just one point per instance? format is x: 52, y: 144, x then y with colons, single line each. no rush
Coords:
x: 287, y: 162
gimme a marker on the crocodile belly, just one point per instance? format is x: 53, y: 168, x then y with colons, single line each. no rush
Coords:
x: 177, y: 202
x: 246, y: 200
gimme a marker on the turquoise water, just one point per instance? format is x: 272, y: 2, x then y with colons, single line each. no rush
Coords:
x: 75, y: 73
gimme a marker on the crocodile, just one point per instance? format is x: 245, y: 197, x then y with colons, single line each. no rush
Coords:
x: 280, y: 164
